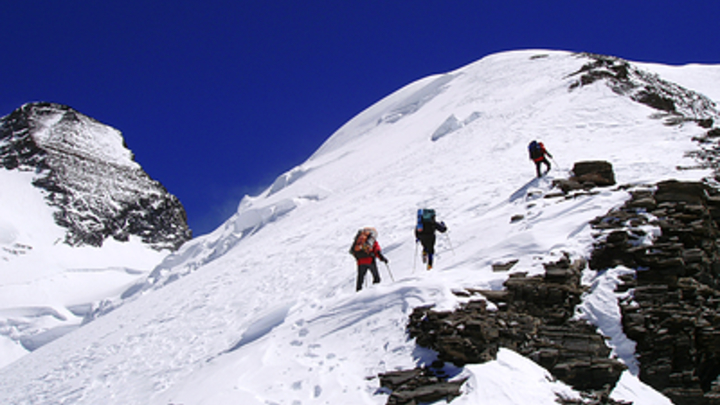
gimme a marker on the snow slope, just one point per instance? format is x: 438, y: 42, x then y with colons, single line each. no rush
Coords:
x: 264, y: 311
x: 46, y: 286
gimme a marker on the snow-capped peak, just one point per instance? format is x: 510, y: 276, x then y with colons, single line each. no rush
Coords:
x: 79, y: 222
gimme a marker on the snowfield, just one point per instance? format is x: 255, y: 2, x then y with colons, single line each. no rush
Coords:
x: 46, y: 286
x: 264, y: 311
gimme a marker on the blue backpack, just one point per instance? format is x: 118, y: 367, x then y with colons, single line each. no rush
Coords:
x: 535, y: 150
x: 425, y: 216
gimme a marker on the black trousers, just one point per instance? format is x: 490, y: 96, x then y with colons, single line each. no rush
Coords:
x: 538, y: 163
x: 428, y: 243
x: 362, y: 270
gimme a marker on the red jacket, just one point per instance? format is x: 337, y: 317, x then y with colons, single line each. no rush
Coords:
x: 375, y: 252
x: 543, y: 152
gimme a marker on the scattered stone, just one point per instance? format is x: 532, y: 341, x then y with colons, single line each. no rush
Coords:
x: 504, y: 266
x: 595, y: 398
x: 419, y: 385
x: 567, y: 185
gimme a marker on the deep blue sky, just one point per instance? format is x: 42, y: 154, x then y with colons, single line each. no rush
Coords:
x: 217, y: 98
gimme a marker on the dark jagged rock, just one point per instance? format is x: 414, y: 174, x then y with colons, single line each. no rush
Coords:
x: 90, y: 177
x: 672, y: 311
x: 533, y: 319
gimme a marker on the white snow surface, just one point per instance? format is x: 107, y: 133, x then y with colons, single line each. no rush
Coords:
x: 264, y: 311
x: 46, y: 286
x: 82, y: 136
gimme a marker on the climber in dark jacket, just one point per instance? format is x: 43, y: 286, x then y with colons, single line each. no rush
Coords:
x: 426, y: 236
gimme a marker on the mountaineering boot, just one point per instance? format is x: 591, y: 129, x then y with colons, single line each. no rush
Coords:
x: 424, y: 257
x: 429, y: 267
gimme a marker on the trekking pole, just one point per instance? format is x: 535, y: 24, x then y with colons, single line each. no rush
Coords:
x: 447, y: 235
x: 556, y: 163
x: 415, y: 256
x: 390, y: 272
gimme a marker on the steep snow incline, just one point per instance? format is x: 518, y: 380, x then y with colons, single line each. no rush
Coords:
x: 264, y: 311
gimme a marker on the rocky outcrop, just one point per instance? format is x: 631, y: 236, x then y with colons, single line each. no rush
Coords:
x: 673, y: 103
x: 90, y: 177
x: 533, y: 318
x: 587, y: 175
x: 672, y: 309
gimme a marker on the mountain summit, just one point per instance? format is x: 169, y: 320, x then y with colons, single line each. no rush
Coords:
x: 90, y: 178
x: 264, y: 309
x: 79, y: 222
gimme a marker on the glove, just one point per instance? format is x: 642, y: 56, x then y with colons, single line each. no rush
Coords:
x: 385, y: 260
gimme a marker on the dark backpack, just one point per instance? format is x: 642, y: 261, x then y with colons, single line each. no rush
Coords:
x: 363, y: 243
x: 535, y: 150
x: 426, y: 217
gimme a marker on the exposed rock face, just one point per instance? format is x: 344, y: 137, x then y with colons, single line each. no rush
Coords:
x: 90, y: 177
x: 533, y: 319
x: 672, y: 312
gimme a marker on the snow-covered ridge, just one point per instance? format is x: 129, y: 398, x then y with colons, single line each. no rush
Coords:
x: 65, y: 131
x: 263, y: 310
x: 676, y: 104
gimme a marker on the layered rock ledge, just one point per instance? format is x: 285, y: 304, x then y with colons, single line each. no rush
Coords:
x: 671, y: 310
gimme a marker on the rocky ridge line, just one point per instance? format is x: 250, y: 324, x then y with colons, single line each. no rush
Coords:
x: 675, y: 104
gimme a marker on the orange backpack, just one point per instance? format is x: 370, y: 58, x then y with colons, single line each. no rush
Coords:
x: 363, y: 244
